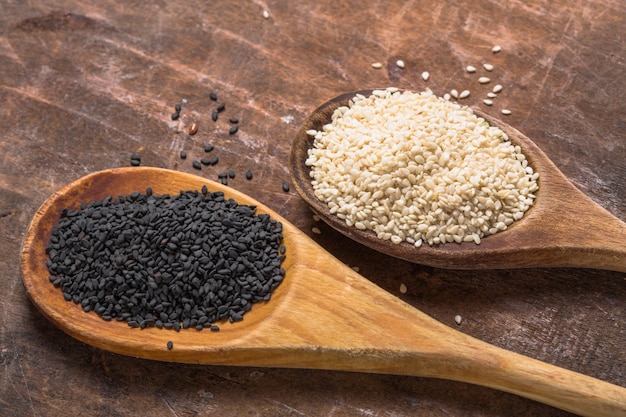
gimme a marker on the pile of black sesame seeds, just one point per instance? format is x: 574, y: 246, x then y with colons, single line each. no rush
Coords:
x: 182, y: 261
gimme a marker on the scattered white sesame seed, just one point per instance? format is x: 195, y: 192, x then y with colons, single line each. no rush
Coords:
x: 506, y: 111
x: 400, y: 63
x: 403, y: 289
x: 454, y: 93
x: 356, y: 268
x: 266, y: 14
x: 425, y: 75
x: 496, y: 49
x: 484, y: 80
x: 446, y: 96
x: 497, y: 88
x: 377, y: 65
x: 184, y: 101
x: 470, y: 68
x: 492, y: 95
x: 464, y: 94
x: 316, y: 230
x: 488, y: 102
x: 458, y: 319
x: 316, y: 218
x: 488, y: 67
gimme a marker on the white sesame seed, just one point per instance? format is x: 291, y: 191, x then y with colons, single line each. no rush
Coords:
x: 497, y: 88
x: 488, y: 102
x: 403, y: 288
x: 316, y: 230
x: 488, y: 67
x: 400, y: 63
x: 484, y: 80
x: 356, y: 268
x: 425, y: 75
x: 316, y: 218
x: 377, y: 65
x: 464, y: 94
x: 446, y: 96
x: 496, y: 49
x: 506, y: 111
x: 406, y: 202
x: 266, y: 14
x: 470, y: 68
x: 492, y: 95
x: 454, y: 93
x: 458, y: 319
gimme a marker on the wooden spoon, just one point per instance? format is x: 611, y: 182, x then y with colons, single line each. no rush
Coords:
x: 324, y: 316
x: 564, y: 228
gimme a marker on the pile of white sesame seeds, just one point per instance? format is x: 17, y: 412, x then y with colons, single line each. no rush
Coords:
x: 414, y: 167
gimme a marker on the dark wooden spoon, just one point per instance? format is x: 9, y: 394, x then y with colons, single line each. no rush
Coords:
x: 564, y: 228
x: 323, y: 316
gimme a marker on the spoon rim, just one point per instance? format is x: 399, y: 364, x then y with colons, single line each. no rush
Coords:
x: 465, y: 255
x: 118, y: 336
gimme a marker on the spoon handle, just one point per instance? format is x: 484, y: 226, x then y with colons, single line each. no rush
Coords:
x: 377, y: 332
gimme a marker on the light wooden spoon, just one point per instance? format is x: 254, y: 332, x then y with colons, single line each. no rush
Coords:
x: 564, y: 228
x: 324, y: 316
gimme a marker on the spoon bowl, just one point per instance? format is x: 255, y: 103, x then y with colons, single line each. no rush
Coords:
x: 323, y: 315
x: 564, y: 228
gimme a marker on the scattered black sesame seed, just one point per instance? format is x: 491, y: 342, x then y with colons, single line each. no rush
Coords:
x: 196, y: 164
x: 221, y: 107
x: 205, y: 161
x: 135, y: 160
x: 175, y: 115
x: 208, y: 148
x: 183, y: 155
x: 234, y: 120
x: 214, y: 328
x: 285, y: 187
x: 248, y: 174
x: 177, y: 107
x: 170, y: 345
x: 231, y: 173
x: 233, y: 130
x: 214, y: 115
x: 213, y: 96
x: 172, y: 262
x: 214, y: 160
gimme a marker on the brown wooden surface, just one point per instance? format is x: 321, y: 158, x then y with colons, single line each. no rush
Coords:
x: 86, y: 84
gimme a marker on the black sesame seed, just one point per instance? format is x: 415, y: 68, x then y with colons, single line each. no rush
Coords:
x: 175, y: 115
x: 208, y: 148
x: 183, y: 155
x: 177, y: 107
x: 248, y: 174
x: 135, y: 162
x: 221, y: 107
x: 205, y: 161
x: 135, y: 157
x: 196, y: 164
x: 171, y: 262
x: 231, y: 173
x: 234, y: 120
x: 214, y: 115
x: 233, y: 130
x: 285, y: 187
x: 170, y: 345
x: 213, y: 96
x: 214, y: 160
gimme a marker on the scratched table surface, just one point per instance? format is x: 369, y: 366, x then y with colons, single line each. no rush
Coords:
x: 86, y: 84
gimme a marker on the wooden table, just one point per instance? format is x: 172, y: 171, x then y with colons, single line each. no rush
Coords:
x: 84, y: 85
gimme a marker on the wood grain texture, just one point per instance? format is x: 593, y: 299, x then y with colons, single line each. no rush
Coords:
x: 86, y: 84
